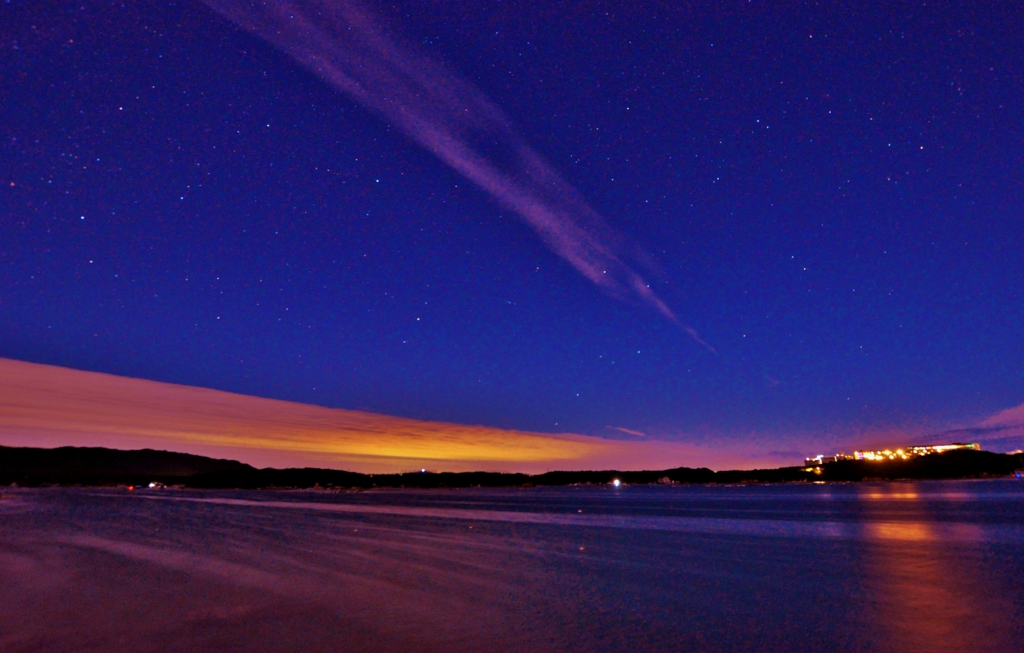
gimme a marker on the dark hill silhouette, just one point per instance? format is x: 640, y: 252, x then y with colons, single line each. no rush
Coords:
x: 101, y: 466
x: 97, y: 466
x: 961, y: 463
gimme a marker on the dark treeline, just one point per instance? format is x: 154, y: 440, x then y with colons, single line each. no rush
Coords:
x: 31, y: 467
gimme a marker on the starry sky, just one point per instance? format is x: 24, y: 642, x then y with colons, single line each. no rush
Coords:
x: 822, y: 203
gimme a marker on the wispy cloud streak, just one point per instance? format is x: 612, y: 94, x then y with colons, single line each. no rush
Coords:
x: 341, y: 42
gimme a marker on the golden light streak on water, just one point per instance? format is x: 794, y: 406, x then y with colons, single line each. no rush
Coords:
x: 926, y: 600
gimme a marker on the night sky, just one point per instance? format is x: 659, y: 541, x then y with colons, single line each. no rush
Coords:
x: 829, y: 196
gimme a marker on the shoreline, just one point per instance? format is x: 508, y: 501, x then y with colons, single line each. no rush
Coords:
x: 100, y: 467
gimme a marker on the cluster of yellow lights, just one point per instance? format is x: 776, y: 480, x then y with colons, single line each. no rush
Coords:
x: 904, y: 453
x: 910, y: 452
x: 881, y: 455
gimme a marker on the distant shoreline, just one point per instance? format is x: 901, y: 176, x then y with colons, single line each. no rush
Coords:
x: 102, y: 467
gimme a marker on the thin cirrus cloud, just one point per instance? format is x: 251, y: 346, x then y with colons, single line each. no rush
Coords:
x: 622, y: 429
x: 1003, y: 431
x: 1009, y: 418
x: 340, y: 42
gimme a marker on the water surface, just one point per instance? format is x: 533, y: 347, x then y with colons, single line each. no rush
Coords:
x: 934, y: 566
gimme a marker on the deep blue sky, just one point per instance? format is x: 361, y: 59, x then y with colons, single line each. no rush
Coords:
x: 833, y: 193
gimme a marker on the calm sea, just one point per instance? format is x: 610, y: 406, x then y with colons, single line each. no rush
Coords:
x: 863, y: 567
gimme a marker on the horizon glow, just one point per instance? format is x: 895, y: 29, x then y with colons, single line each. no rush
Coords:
x: 47, y: 406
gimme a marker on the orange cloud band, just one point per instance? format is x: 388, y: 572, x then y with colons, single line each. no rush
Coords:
x: 42, y: 405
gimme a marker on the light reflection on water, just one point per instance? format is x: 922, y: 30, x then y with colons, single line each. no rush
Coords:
x: 887, y: 567
x: 928, y: 596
